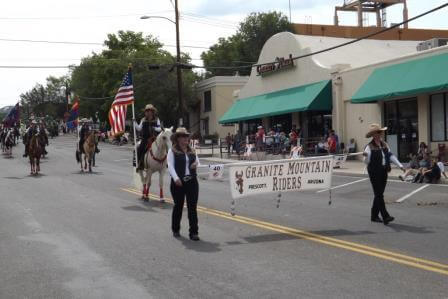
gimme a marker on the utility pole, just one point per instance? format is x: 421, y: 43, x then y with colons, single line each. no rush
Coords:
x: 179, y: 69
x: 289, y: 11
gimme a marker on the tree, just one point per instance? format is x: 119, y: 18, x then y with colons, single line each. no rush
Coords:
x: 98, y: 77
x: 46, y: 99
x: 244, y: 47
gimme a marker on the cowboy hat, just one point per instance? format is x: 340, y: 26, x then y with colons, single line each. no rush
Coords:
x: 181, y: 132
x: 150, y: 107
x: 374, y: 128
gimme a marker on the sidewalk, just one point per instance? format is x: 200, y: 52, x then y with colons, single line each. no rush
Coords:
x: 354, y: 168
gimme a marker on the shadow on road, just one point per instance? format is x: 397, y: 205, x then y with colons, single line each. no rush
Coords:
x: 200, y: 246
x: 136, y: 208
x: 341, y: 232
x: 87, y: 173
x: 410, y: 229
x: 269, y: 238
x: 12, y: 178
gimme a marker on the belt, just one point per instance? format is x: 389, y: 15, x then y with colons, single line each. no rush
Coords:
x: 188, y: 178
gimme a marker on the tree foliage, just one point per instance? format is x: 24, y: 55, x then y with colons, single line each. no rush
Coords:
x: 245, y: 45
x: 99, y: 76
x: 48, y: 99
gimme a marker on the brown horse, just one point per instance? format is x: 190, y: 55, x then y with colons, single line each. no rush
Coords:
x: 34, y: 152
x: 89, y: 151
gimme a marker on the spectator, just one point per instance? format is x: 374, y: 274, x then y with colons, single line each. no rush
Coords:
x: 351, y: 146
x: 259, y: 138
x: 321, y: 147
x: 413, y: 169
x: 422, y: 150
x: 332, y: 143
x: 293, y: 136
x: 433, y: 174
x: 228, y: 142
x: 425, y: 163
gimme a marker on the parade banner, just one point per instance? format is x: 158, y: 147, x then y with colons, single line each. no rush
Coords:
x: 280, y: 176
x: 339, y: 161
x: 216, y: 172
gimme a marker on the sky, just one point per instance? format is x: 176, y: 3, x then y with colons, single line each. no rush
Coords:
x: 201, y: 24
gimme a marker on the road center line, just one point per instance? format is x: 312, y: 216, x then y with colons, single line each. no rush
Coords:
x: 401, y: 199
x: 347, y: 245
x: 340, y: 186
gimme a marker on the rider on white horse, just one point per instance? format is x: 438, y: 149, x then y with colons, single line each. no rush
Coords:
x: 149, y: 127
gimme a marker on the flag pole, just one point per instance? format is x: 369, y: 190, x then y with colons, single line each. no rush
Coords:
x: 133, y: 126
x: 135, y: 135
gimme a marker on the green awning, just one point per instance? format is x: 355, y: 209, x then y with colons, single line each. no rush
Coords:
x: 311, y: 97
x: 410, y: 78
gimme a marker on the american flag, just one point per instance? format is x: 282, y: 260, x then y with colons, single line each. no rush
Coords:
x: 124, y: 97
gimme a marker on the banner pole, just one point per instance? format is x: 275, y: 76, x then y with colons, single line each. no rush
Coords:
x: 135, y: 135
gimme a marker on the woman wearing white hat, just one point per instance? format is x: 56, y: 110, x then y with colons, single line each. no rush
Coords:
x: 149, y: 127
x: 378, y: 158
x: 182, y: 165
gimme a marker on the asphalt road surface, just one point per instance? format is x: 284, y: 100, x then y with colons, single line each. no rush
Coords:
x: 67, y: 234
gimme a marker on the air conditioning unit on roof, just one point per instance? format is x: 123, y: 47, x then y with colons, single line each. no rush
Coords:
x: 432, y: 43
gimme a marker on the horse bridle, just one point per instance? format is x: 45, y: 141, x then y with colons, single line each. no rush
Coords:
x: 161, y: 160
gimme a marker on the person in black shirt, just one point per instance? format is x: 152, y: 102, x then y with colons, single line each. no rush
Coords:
x: 378, y: 158
x: 149, y: 127
x: 182, y: 165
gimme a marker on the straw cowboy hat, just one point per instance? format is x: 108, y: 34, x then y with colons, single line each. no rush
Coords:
x: 374, y: 128
x: 150, y: 107
x: 181, y: 132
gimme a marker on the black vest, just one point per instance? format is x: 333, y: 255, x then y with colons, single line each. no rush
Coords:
x: 376, y: 157
x: 180, y: 161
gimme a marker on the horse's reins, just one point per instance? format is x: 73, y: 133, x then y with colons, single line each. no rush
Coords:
x: 160, y: 160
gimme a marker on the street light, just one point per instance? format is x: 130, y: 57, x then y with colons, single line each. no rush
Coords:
x: 178, y: 62
x: 157, y: 17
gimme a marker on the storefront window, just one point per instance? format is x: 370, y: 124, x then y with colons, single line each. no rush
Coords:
x: 438, y: 117
x: 282, y: 123
x: 401, y: 119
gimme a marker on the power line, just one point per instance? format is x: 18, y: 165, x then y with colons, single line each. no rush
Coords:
x: 82, y: 43
x: 78, y: 17
x: 294, y: 58
x: 34, y: 66
x: 363, y: 37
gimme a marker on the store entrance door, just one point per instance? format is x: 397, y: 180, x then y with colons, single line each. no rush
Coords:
x: 401, y: 118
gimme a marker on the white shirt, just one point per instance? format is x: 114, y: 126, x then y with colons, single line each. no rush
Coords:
x: 139, y: 127
x: 441, y: 166
x: 171, y: 165
x: 393, y: 159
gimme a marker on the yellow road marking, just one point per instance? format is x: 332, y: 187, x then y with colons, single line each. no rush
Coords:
x: 351, y: 246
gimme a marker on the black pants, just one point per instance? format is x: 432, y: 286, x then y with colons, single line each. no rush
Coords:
x: 141, y: 151
x: 378, y: 178
x: 190, y: 191
x: 81, y: 145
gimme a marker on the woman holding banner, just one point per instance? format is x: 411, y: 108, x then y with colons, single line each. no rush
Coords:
x: 182, y: 165
x: 378, y: 158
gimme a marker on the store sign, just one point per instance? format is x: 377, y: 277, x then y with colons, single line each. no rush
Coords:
x: 280, y: 176
x: 280, y: 64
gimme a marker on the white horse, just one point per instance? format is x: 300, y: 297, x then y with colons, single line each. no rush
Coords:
x: 156, y: 161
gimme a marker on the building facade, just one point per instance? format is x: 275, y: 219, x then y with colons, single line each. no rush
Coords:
x: 407, y: 94
x: 287, y: 92
x: 346, y: 89
x: 215, y: 96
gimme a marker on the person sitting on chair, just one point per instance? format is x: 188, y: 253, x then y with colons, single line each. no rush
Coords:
x: 149, y: 127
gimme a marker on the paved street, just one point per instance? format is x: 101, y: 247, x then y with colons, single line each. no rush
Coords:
x: 66, y: 234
